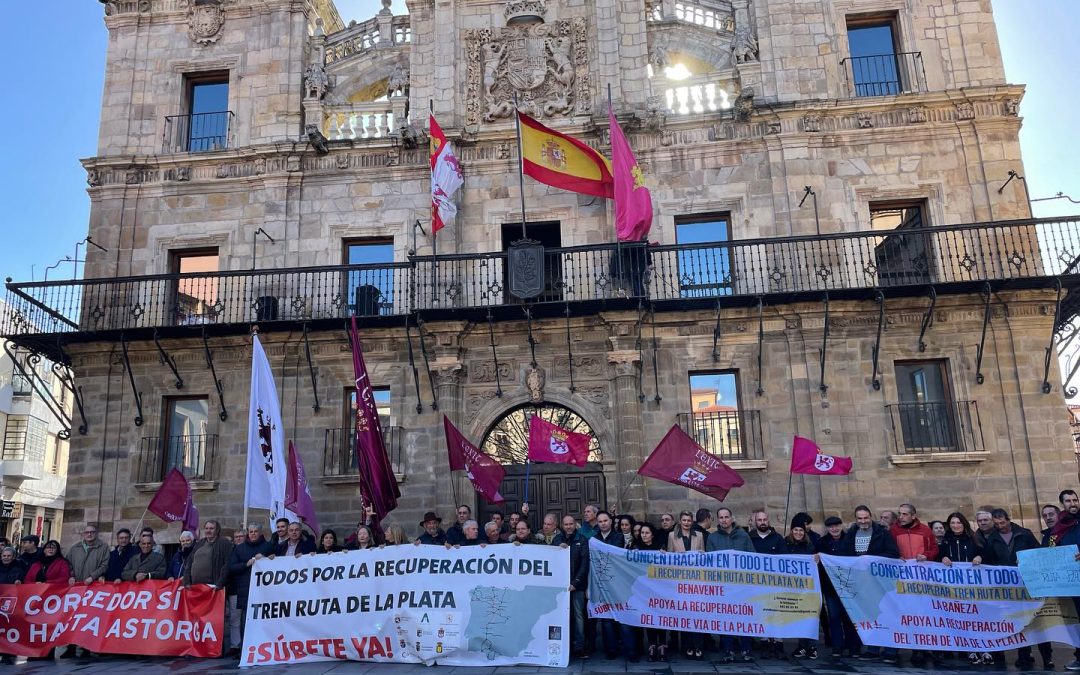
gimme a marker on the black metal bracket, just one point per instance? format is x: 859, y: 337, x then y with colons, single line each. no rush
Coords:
x: 311, y: 369
x: 165, y: 359
x: 495, y: 356
x: 760, y: 342
x: 656, y: 373
x: 223, y: 414
x: 66, y: 376
x: 716, y: 335
x: 532, y: 340
x: 412, y: 365
x: 131, y: 378
x: 39, y: 385
x: 1065, y: 388
x: 879, y: 298
x: 569, y: 350
x: 640, y: 352
x: 427, y: 364
x: 986, y: 293
x: 1046, y: 388
x: 927, y: 319
x: 824, y: 346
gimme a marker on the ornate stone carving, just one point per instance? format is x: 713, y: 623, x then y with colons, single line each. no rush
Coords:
x: 260, y: 166
x: 584, y: 367
x: 774, y: 126
x: 525, y: 10
x: 546, y: 65
x: 624, y: 362
x: 292, y: 163
x: 205, y: 20
x: 222, y: 171
x: 658, y: 58
x: 596, y: 395
x: 398, y: 82
x: 316, y: 81
x: 474, y: 403
x: 655, y: 118
x: 342, y: 161
x: 1012, y: 107
x: 484, y: 371
x: 534, y: 382
x: 864, y: 121
x: 965, y: 111
x: 182, y: 174
x: 811, y: 123
x: 916, y: 114
x: 93, y: 178
x: 744, y: 48
x: 744, y: 104
x: 447, y: 373
x: 502, y: 151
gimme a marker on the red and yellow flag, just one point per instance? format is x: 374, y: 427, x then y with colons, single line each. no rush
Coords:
x: 563, y: 162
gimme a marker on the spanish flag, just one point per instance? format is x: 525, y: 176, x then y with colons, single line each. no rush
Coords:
x: 563, y: 162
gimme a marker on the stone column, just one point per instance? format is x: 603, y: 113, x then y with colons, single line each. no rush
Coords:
x: 629, y: 436
x: 448, y: 375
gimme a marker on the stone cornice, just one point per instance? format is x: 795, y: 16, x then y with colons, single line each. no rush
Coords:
x: 806, y: 123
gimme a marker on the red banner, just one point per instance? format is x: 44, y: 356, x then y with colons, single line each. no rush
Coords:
x: 160, y: 618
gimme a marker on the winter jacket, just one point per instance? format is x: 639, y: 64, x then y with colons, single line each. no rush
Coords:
x: 151, y: 564
x: 586, y: 530
x: 805, y: 547
x: 959, y: 548
x: 175, y: 569
x: 29, y: 559
x: 51, y: 570
x: 455, y: 535
x: 438, y: 539
x: 208, y: 562
x: 829, y: 546
x: 118, y: 560
x: 1000, y: 553
x: 675, y: 541
x: 579, y: 558
x: 303, y: 547
x: 772, y: 543
x: 881, y: 543
x: 240, y: 572
x: 915, y: 540
x: 612, y: 538
x: 1067, y: 529
x: 88, y: 562
x: 736, y: 540
x: 12, y: 572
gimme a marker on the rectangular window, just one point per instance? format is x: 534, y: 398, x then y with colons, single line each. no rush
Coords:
x: 550, y: 235
x: 46, y: 529
x: 926, y: 410
x: 340, y: 456
x: 370, y: 286
x: 207, y: 125
x: 52, y: 454
x: 874, y: 62
x: 716, y: 422
x: 186, y: 445
x: 901, y: 258
x: 196, y: 297
x: 704, y: 269
x: 28, y: 526
x: 24, y: 438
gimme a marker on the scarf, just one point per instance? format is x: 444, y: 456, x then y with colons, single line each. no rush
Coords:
x: 1066, y: 521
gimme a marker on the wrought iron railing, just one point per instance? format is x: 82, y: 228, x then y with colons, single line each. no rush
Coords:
x: 935, y: 426
x: 1025, y: 252
x: 193, y: 455
x: 885, y: 74
x: 339, y: 451
x: 201, y: 132
x: 727, y: 434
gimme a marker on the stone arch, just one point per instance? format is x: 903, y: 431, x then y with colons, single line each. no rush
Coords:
x: 360, y: 75
x: 712, y: 49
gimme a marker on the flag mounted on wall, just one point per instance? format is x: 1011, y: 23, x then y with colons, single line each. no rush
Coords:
x: 446, y: 178
x: 633, y: 203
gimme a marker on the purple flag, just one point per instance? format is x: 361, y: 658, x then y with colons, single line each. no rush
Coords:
x: 297, y: 495
x: 173, y: 501
x: 679, y: 460
x: 378, y: 487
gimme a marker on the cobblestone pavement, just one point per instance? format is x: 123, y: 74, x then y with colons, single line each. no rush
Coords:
x: 112, y: 665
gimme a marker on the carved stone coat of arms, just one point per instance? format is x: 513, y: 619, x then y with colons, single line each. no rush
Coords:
x: 205, y: 19
x: 545, y: 64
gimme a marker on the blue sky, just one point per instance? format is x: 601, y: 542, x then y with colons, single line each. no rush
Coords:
x: 56, y: 64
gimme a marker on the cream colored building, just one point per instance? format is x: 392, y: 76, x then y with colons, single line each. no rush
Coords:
x: 836, y: 234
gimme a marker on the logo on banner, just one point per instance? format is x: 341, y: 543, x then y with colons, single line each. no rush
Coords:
x: 691, y: 475
x: 824, y: 462
x: 558, y: 442
x: 7, y: 606
x: 266, y: 443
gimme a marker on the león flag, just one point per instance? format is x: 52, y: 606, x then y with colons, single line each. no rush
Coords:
x: 446, y: 178
x: 678, y: 459
x: 551, y: 443
x: 633, y: 203
x: 561, y: 161
x: 297, y: 494
x: 807, y: 457
x: 173, y: 501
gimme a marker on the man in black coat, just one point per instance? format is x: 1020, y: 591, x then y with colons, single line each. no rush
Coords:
x: 569, y: 538
x: 612, y: 631
x: 243, y: 557
x: 866, y: 537
x: 770, y: 542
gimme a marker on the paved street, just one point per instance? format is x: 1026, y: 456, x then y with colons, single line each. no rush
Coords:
x: 187, y: 666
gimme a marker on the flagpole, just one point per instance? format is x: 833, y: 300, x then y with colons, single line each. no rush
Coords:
x: 247, y: 460
x: 434, y: 239
x: 618, y: 241
x: 521, y: 166
x: 138, y: 528
x: 528, y: 469
x: 787, y: 502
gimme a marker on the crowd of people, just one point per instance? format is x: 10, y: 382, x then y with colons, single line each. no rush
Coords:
x: 215, y: 560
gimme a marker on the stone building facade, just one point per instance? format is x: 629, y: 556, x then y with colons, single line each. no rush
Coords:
x: 781, y: 155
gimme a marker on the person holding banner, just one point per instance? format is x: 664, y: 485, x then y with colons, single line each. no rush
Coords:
x: 612, y: 631
x: 656, y: 639
x: 471, y: 531
x: 798, y: 542
x: 1065, y: 532
x: 328, y: 543
x: 842, y: 633
x: 146, y: 564
x: 89, y: 558
x: 176, y: 565
x: 728, y: 537
x: 959, y: 545
x: 208, y: 562
x: 295, y: 544
x: 363, y: 539
x: 869, y: 538
x: 254, y: 548
x: 124, y: 550
x: 570, y: 538
x: 53, y: 568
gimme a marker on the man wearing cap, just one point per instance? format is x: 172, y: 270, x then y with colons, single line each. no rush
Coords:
x: 433, y: 534
x: 29, y: 553
x: 841, y: 632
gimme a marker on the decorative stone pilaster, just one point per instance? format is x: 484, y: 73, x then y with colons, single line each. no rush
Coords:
x: 448, y: 374
x: 629, y: 436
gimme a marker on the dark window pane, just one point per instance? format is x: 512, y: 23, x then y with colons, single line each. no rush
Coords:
x: 873, y: 61
x: 370, y: 290
x: 706, y: 271
x: 185, y: 439
x: 209, y: 97
x: 927, y: 415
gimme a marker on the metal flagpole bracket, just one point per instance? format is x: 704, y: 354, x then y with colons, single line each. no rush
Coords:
x: 223, y: 414
x: 495, y: 356
x: 716, y: 336
x: 986, y: 293
x: 28, y: 371
x: 1046, y: 388
x: 656, y: 373
x: 412, y: 366
x: 311, y: 369
x: 165, y: 359
x: 824, y: 346
x: 760, y: 343
x: 927, y: 319
x: 131, y: 379
x: 879, y: 298
x: 427, y: 364
x: 532, y: 340
x: 569, y: 350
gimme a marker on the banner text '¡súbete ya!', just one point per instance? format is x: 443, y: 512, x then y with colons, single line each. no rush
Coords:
x: 403, y: 567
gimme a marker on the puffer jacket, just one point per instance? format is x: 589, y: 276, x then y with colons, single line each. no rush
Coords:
x: 959, y: 548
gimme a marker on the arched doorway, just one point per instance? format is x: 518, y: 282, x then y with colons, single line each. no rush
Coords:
x: 561, y: 489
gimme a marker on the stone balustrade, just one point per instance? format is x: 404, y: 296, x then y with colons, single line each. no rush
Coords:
x: 352, y: 121
x: 705, y: 13
x: 377, y: 32
x: 699, y: 94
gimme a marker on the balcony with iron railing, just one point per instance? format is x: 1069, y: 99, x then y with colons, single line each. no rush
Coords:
x: 193, y: 455
x: 884, y: 74
x: 731, y: 435
x: 946, y: 430
x: 1019, y: 254
x: 339, y: 453
x: 202, y: 132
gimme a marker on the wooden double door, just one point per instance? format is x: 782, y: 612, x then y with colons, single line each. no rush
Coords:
x: 552, y: 488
